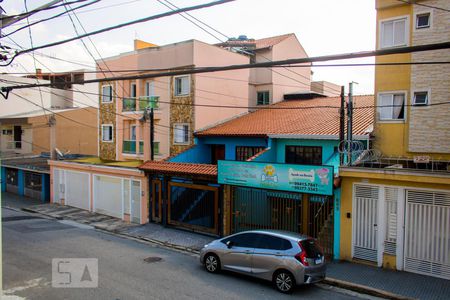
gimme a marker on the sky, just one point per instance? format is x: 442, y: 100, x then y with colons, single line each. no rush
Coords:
x: 323, y: 27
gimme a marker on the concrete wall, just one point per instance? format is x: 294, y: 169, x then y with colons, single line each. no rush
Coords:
x: 70, y: 136
x: 293, y: 79
x: 229, y: 88
x: 391, y: 136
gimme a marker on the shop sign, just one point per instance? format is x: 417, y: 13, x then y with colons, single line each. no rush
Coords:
x: 284, y: 177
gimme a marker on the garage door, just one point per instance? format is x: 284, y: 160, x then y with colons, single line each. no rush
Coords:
x: 77, y: 187
x: 108, y: 195
x: 427, y: 233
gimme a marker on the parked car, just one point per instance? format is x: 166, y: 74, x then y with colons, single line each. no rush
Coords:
x: 285, y: 258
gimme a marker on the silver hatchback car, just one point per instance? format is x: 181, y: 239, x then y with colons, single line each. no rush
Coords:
x: 286, y: 258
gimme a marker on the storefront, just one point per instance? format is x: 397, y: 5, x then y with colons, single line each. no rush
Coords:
x: 296, y: 198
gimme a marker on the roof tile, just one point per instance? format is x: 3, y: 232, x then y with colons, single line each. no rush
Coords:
x: 318, y: 116
x: 173, y: 168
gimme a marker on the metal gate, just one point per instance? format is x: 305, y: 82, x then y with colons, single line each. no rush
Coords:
x: 265, y: 209
x: 427, y: 233
x: 194, y: 206
x: 365, y: 216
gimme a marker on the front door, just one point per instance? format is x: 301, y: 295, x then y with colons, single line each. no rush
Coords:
x: 238, y: 257
x: 156, y: 201
x: 217, y: 153
x: 365, y: 222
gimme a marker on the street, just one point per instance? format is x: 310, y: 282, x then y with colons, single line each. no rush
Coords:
x: 30, y: 244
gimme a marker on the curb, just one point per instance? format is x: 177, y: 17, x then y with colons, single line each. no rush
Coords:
x: 118, y: 233
x: 364, y: 289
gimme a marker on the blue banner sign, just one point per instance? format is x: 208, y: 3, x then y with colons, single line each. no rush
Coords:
x: 284, y: 177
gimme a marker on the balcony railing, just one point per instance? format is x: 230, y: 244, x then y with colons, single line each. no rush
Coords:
x: 129, y: 104
x: 148, y: 101
x: 135, y: 104
x: 129, y: 147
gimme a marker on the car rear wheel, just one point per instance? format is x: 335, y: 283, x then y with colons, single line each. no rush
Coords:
x: 212, y: 263
x: 284, y: 281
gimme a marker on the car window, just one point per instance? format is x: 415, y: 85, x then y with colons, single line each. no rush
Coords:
x: 273, y: 243
x: 311, y: 248
x: 247, y: 240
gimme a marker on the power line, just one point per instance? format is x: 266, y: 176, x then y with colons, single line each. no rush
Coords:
x: 154, y: 17
x: 98, y: 8
x: 382, y: 52
x: 424, y: 5
x: 34, y: 59
x: 235, y: 79
x: 5, y: 18
x: 48, y: 19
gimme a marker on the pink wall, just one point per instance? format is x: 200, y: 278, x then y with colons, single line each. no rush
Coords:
x: 290, y: 82
x: 227, y: 88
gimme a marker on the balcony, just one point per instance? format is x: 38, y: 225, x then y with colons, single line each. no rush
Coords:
x: 139, y: 104
x: 148, y: 101
x: 129, y: 147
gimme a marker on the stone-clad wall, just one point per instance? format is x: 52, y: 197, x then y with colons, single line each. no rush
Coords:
x: 183, y: 113
x: 429, y: 126
x: 107, y: 116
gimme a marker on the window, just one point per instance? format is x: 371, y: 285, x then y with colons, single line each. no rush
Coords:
x: 107, y: 133
x: 420, y: 98
x: 262, y: 98
x: 106, y: 93
x: 311, y: 248
x: 394, y: 33
x: 246, y: 240
x: 149, y: 88
x: 133, y: 133
x: 273, y: 243
x: 423, y: 21
x: 181, y: 133
x: 391, y: 106
x: 133, y: 90
x: 182, y: 86
x: 33, y: 181
x: 305, y: 155
x: 243, y: 153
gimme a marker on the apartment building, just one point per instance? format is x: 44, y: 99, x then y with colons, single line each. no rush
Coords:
x: 396, y: 205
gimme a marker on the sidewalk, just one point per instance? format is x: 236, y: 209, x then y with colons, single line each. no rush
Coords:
x: 18, y: 202
x: 358, y: 277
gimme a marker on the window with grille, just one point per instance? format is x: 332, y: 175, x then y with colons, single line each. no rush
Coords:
x: 304, y: 155
x: 243, y: 153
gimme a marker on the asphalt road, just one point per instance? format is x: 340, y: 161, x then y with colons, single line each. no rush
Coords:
x: 30, y: 244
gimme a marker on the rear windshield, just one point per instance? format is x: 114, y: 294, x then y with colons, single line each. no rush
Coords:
x: 311, y: 248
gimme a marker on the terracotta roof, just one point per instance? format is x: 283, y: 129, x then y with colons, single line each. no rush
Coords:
x: 256, y: 44
x: 318, y: 116
x: 172, y: 168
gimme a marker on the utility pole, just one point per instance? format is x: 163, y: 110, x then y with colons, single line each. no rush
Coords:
x: 342, y: 127
x: 52, y: 124
x: 350, y: 123
x: 152, y: 133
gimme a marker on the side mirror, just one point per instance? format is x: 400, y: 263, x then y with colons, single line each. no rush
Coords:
x: 229, y: 244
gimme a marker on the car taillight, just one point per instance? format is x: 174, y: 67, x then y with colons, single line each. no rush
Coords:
x: 301, y: 257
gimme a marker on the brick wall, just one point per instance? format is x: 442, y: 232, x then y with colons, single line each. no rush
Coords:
x: 429, y: 126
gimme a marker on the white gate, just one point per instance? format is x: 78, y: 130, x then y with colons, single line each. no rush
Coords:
x: 365, y: 216
x: 108, y: 195
x: 427, y: 233
x: 77, y: 189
